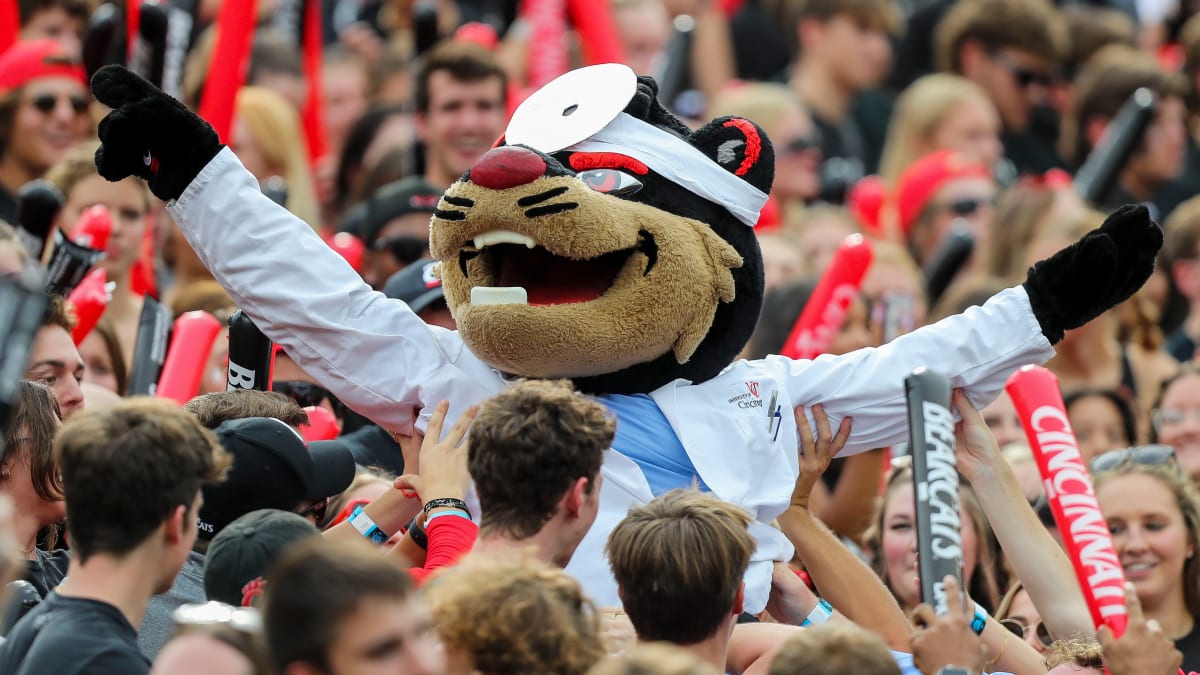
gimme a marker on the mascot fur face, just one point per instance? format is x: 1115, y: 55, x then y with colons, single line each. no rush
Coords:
x: 632, y: 280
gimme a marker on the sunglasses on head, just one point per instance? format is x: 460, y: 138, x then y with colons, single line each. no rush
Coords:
x: 46, y: 103
x: 1021, y: 630
x: 244, y: 620
x: 1147, y: 455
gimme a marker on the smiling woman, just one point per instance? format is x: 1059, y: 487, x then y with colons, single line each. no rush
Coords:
x: 1153, y: 512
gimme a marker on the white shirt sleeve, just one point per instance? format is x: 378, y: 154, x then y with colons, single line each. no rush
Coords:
x: 372, y: 352
x: 978, y: 350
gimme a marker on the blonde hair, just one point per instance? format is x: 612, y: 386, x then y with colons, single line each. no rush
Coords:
x: 763, y: 103
x: 275, y: 126
x: 1187, y: 499
x: 513, y: 617
x: 79, y: 164
x: 920, y: 110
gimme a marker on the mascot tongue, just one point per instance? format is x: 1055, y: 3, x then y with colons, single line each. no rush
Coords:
x: 549, y: 279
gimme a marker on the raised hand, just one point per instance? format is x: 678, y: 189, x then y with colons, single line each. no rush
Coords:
x: 1143, y: 649
x: 148, y: 134
x: 946, y: 640
x: 1102, y: 269
x: 815, y: 453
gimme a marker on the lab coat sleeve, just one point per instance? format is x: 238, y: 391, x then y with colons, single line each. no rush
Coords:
x: 370, y: 351
x: 977, y: 350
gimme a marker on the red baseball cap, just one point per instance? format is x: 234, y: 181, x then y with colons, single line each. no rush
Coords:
x: 923, y: 178
x: 25, y: 61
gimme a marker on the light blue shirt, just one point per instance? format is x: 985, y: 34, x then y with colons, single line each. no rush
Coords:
x: 645, y: 436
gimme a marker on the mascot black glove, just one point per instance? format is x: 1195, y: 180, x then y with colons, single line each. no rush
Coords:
x: 1106, y: 266
x: 149, y: 134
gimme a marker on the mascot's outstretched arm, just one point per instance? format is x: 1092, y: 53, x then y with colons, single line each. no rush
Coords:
x: 981, y: 347
x: 364, y: 347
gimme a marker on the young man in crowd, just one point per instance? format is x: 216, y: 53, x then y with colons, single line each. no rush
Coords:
x: 395, y: 228
x: 843, y: 49
x: 1181, y: 260
x: 1106, y: 84
x: 216, y: 408
x: 58, y: 20
x: 535, y: 453
x: 43, y: 113
x: 272, y: 469
x: 1011, y: 48
x: 53, y: 358
x: 460, y: 93
x: 344, y: 609
x: 132, y: 475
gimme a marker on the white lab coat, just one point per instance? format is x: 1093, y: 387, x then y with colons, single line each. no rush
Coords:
x: 383, y: 361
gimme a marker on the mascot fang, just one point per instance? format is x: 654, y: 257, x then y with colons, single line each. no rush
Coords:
x: 604, y: 242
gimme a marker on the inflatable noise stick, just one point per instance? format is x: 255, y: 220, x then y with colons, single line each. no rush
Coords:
x: 950, y: 257
x: 73, y: 258
x: 150, y: 348
x: 935, y: 485
x: 1096, y: 178
x: 826, y: 310
x: 38, y: 204
x: 21, y: 309
x: 191, y: 342
x: 1068, y: 484
x: 250, y: 355
x: 90, y: 299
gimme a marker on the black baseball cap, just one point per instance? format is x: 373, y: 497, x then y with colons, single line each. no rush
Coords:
x: 272, y: 469
x: 405, y: 196
x: 243, y: 552
x: 415, y: 285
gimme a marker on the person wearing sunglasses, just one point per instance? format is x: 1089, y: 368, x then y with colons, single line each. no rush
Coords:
x: 43, y: 114
x: 1018, y: 614
x: 1153, y: 513
x: 939, y: 193
x: 214, y: 638
x: 1010, y: 48
x: 395, y: 228
x: 1176, y: 418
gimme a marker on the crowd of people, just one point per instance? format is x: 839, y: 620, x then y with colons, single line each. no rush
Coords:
x: 221, y: 537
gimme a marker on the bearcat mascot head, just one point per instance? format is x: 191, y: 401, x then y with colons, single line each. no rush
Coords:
x: 605, y: 242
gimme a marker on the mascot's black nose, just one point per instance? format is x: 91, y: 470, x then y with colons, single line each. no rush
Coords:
x: 507, y: 166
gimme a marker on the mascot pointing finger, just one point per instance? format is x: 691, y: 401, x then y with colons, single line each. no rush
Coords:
x: 604, y: 242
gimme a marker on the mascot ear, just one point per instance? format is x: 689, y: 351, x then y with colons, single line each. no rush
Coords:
x: 645, y: 106
x: 741, y: 147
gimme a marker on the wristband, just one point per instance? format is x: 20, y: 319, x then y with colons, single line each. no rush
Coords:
x: 360, y: 521
x: 980, y: 621
x: 418, y: 534
x: 446, y: 501
x: 820, y: 614
x: 460, y: 514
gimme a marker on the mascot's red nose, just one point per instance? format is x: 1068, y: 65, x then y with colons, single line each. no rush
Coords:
x: 507, y: 166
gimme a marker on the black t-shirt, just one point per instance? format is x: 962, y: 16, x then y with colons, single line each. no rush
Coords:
x: 72, y: 636
x: 48, y: 570
x: 1190, y: 646
x: 8, y: 206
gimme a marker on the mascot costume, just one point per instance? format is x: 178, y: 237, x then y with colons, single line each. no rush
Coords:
x: 604, y: 242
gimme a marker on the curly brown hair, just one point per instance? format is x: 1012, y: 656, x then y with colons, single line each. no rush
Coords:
x: 1034, y: 26
x: 516, y: 617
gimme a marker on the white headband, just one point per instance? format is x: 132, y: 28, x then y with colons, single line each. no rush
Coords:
x: 679, y: 162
